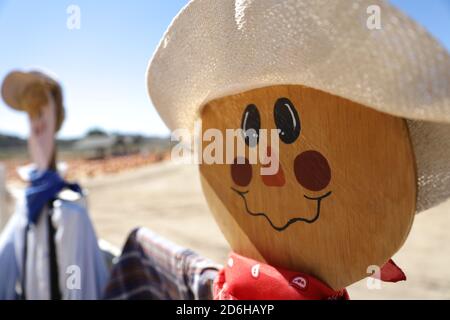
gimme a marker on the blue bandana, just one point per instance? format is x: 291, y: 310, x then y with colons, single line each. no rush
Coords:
x: 44, y: 187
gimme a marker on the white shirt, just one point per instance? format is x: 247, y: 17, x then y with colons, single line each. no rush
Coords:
x: 81, y: 265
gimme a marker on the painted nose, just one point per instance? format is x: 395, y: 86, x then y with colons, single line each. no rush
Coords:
x: 277, y: 179
x: 312, y: 170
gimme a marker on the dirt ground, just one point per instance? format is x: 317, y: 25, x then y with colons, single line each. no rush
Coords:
x: 167, y: 198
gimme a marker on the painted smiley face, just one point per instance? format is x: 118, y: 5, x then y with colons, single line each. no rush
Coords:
x: 344, y: 195
x: 311, y: 169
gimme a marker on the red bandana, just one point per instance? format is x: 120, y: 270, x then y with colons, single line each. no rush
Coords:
x: 246, y: 279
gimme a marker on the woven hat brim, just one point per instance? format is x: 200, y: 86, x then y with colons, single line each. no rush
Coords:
x: 215, y: 48
x: 15, y: 84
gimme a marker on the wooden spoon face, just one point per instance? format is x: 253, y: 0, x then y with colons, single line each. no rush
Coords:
x: 343, y: 197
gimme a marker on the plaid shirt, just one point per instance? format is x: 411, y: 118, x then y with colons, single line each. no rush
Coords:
x: 152, y: 268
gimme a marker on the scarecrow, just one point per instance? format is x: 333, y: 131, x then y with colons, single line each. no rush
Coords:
x: 49, y: 248
x: 363, y: 122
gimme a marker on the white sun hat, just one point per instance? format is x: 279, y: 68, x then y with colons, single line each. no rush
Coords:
x: 216, y: 48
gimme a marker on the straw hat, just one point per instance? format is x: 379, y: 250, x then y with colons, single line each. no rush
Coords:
x: 216, y: 48
x: 17, y: 82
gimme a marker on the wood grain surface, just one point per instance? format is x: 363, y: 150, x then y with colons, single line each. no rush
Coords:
x: 347, y: 197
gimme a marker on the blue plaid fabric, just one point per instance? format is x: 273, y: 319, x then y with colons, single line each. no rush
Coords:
x: 152, y: 268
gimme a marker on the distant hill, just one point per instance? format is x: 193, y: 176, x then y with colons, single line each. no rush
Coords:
x: 7, y: 141
x: 12, y: 146
x: 13, y: 142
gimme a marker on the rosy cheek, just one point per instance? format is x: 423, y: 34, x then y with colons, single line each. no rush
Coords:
x: 241, y: 173
x: 312, y: 170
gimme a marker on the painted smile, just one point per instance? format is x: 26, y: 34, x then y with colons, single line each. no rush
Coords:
x: 290, y: 222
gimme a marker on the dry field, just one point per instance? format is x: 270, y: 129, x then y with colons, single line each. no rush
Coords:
x: 167, y: 198
x: 82, y: 168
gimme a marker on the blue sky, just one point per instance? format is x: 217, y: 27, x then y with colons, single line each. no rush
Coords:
x: 103, y: 64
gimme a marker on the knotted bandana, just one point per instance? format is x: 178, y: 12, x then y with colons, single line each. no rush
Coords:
x: 246, y: 279
x: 44, y: 187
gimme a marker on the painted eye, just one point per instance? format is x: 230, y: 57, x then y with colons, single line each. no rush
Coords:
x: 251, y: 125
x: 287, y: 120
